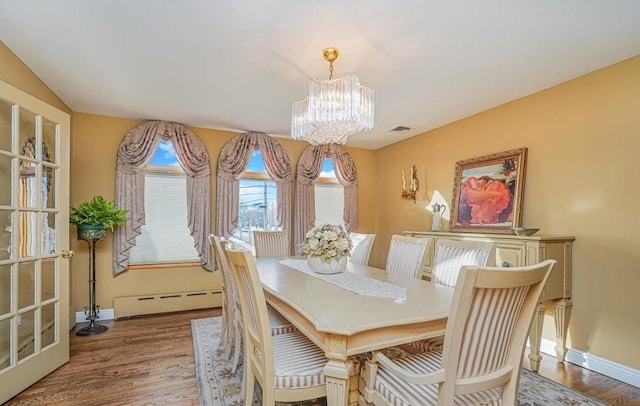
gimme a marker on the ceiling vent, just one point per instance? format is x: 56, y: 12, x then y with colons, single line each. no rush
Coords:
x: 400, y: 128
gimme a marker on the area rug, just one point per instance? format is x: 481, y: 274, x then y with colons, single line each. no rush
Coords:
x: 218, y: 386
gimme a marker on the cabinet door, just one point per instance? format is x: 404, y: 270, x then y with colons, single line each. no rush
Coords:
x: 510, y: 255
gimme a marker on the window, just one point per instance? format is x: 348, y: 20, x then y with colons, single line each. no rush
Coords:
x: 329, y: 196
x: 165, y: 237
x: 258, y: 203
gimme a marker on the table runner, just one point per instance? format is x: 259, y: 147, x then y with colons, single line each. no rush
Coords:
x: 360, y: 284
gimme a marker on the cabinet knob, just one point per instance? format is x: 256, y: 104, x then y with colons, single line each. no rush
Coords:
x: 67, y: 254
x: 505, y: 264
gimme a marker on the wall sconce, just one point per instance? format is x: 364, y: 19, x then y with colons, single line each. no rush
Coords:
x: 413, y: 185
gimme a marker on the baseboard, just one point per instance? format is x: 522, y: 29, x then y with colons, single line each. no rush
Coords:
x: 594, y: 363
x: 105, y: 314
x: 128, y: 306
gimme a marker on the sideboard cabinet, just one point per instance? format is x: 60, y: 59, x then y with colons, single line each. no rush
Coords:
x: 512, y: 250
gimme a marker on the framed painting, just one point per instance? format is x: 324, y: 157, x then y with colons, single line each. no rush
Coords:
x: 488, y: 191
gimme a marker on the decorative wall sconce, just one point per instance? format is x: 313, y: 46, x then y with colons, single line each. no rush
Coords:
x: 413, y: 185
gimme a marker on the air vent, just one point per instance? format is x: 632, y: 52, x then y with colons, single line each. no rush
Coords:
x: 400, y: 128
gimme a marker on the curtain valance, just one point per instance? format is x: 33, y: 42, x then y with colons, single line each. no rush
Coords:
x: 134, y: 152
x: 309, y: 167
x: 232, y: 163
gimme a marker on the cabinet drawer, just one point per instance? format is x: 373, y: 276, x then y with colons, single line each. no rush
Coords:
x: 510, y: 255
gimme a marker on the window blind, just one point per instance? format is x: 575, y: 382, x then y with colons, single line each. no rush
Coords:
x: 329, y: 201
x: 165, y: 237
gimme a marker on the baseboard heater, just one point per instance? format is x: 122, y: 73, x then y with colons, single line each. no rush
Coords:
x: 128, y: 306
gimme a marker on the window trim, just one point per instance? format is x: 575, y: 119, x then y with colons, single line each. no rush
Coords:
x: 327, y: 180
x: 165, y: 265
x: 256, y: 175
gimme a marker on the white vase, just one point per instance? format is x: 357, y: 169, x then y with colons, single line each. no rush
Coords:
x: 319, y: 266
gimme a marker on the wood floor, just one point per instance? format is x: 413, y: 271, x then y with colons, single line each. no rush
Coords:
x: 149, y: 361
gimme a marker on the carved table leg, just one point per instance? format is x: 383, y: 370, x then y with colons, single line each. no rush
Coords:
x: 337, y: 377
x: 337, y: 371
x: 535, y: 337
x: 561, y: 315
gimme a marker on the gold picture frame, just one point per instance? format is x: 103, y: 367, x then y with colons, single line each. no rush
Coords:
x: 488, y: 192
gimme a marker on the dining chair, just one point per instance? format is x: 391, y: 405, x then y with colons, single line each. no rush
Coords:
x: 234, y: 322
x: 480, y: 363
x: 271, y: 244
x: 449, y: 256
x: 288, y: 367
x: 228, y: 302
x: 407, y: 255
x: 361, y: 250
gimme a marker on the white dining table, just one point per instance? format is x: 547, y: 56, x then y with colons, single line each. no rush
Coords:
x: 343, y: 323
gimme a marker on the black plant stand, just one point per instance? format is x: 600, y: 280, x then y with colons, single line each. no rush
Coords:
x: 92, y: 236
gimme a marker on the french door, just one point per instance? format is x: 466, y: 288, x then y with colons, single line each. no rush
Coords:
x: 34, y: 231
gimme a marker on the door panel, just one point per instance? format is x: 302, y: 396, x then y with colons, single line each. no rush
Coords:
x: 34, y: 278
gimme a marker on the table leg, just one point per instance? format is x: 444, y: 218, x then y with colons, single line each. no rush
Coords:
x: 561, y: 315
x: 535, y: 337
x: 337, y: 376
x: 337, y: 371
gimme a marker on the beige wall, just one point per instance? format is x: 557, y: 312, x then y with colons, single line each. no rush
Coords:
x: 583, y: 140
x: 17, y: 74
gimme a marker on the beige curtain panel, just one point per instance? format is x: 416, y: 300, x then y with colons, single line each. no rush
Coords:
x: 135, y: 150
x: 309, y: 167
x: 232, y: 163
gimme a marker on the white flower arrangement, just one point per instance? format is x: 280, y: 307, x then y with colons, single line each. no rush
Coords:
x: 329, y: 242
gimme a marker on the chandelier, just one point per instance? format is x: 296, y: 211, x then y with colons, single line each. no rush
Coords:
x: 334, y: 109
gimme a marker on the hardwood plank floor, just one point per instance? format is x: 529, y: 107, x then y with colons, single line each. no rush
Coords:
x: 149, y: 361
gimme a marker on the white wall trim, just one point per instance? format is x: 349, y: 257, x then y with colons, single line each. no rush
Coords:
x: 594, y: 363
x: 105, y: 314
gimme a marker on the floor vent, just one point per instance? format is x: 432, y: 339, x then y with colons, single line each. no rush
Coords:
x: 127, y: 306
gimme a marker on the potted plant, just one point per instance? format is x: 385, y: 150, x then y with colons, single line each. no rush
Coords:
x: 94, y: 217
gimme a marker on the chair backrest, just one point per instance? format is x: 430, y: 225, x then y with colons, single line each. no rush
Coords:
x: 257, y: 332
x: 487, y: 329
x: 407, y: 255
x: 228, y: 284
x: 271, y: 244
x: 361, y: 250
x: 450, y: 255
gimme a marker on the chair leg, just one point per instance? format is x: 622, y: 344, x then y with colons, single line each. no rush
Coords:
x: 369, y: 372
x: 223, y: 328
x: 244, y: 378
x: 237, y: 348
x: 250, y: 382
x: 229, y: 335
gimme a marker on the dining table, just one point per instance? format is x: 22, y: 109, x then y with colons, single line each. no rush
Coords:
x: 353, y: 312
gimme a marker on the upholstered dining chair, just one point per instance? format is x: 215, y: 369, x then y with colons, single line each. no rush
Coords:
x: 449, y: 256
x: 361, y: 250
x: 407, y: 255
x: 485, y: 338
x: 228, y: 300
x: 231, y: 300
x: 271, y: 244
x: 288, y: 367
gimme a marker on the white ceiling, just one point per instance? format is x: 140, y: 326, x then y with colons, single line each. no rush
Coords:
x: 239, y: 64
